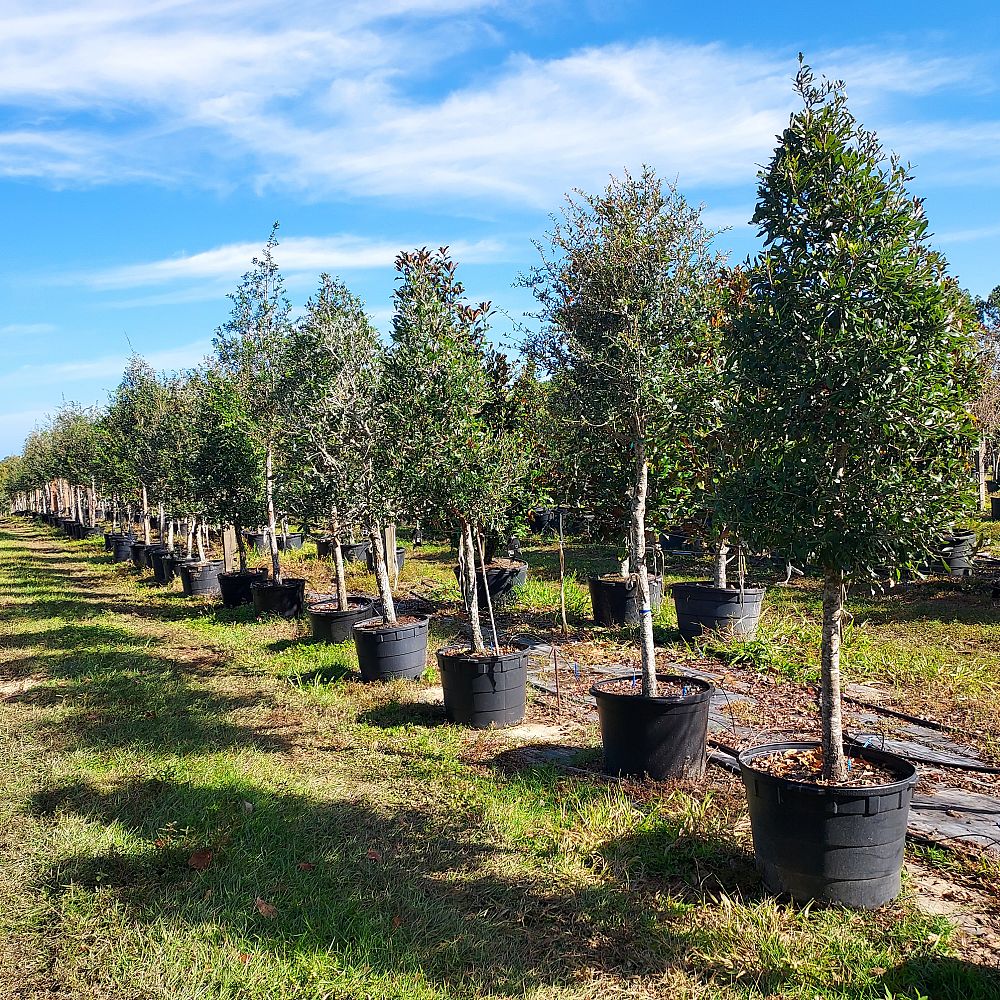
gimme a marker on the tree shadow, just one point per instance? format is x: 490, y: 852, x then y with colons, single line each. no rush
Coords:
x: 395, y: 714
x: 938, y: 978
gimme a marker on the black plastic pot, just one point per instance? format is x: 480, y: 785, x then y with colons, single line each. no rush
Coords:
x: 201, y: 579
x: 541, y: 522
x: 286, y: 599
x: 355, y: 551
x: 294, y: 541
x: 501, y: 581
x: 400, y: 559
x: 235, y: 587
x: 484, y: 692
x: 324, y: 547
x: 832, y: 844
x: 329, y: 624
x: 139, y: 558
x: 957, y: 550
x: 110, y: 537
x: 122, y: 551
x: 654, y: 737
x: 172, y: 565
x: 156, y: 558
x: 616, y: 601
x: 256, y: 540
x: 703, y: 608
x: 391, y: 652
x: 88, y: 531
x: 995, y: 508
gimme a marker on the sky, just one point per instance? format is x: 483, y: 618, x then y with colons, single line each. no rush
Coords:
x: 147, y: 148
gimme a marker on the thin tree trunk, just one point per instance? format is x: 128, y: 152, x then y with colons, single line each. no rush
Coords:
x: 170, y: 536
x: 341, y: 578
x: 834, y: 763
x: 199, y: 534
x: 390, y: 555
x: 981, y: 467
x: 478, y: 645
x: 93, y: 503
x: 271, y: 520
x: 241, y: 545
x: 489, y: 598
x: 638, y: 561
x: 562, y: 578
x: 190, y: 536
x: 163, y: 521
x: 145, y: 515
x: 719, y: 578
x: 381, y: 576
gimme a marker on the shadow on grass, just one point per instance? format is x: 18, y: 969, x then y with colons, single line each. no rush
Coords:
x: 396, y: 714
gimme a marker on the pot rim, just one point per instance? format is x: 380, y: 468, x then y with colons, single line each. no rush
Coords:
x: 690, y: 699
x: 421, y: 621
x: 883, y: 758
x: 289, y: 582
x: 464, y: 654
x: 708, y: 585
x: 363, y: 604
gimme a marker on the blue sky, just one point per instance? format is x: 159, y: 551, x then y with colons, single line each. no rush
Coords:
x: 146, y: 148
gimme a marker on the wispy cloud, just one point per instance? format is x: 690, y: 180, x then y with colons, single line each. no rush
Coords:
x: 68, y: 374
x: 353, y: 98
x: 967, y: 235
x: 26, y: 329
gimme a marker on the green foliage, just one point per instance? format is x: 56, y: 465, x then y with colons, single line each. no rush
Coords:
x: 851, y: 364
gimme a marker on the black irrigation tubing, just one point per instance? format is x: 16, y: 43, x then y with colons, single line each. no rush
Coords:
x: 929, y: 761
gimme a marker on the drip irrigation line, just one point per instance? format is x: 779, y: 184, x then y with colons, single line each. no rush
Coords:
x: 929, y: 761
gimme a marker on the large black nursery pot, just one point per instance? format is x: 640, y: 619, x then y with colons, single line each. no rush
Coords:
x: 658, y: 738
x: 502, y: 581
x: 330, y: 624
x: 703, y: 608
x: 156, y: 560
x: 91, y: 531
x: 256, y: 540
x: 484, y: 692
x: 139, y: 558
x: 355, y: 551
x: 110, y: 537
x: 286, y: 599
x: 400, y: 559
x: 172, y: 562
x: 957, y: 550
x: 616, y: 600
x: 995, y: 508
x: 324, y: 547
x: 391, y: 652
x: 235, y: 587
x: 122, y: 551
x: 201, y: 579
x: 292, y: 541
x: 834, y: 844
x: 542, y: 521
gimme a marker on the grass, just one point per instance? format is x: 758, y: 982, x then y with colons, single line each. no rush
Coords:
x: 196, y: 804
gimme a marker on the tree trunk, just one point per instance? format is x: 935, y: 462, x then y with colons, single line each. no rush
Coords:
x: 381, y: 576
x: 145, y: 515
x: 719, y: 578
x: 271, y: 520
x: 981, y: 468
x: 201, y: 540
x: 834, y: 763
x: 93, y: 503
x: 562, y: 578
x: 170, y: 536
x: 190, y: 536
x: 241, y: 545
x: 338, y: 569
x: 163, y: 522
x: 478, y: 645
x: 489, y: 599
x: 638, y: 565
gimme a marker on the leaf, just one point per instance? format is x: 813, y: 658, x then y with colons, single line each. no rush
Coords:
x: 374, y: 855
x: 244, y: 958
x: 266, y: 909
x: 305, y: 866
x: 397, y: 922
x: 200, y: 860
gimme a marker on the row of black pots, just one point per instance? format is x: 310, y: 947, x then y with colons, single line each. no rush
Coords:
x: 258, y: 540
x: 349, y: 551
x: 700, y: 607
x: 835, y: 844
x: 500, y: 580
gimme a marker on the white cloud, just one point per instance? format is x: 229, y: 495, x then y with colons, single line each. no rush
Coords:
x: 967, y: 235
x: 109, y: 367
x: 26, y: 329
x: 353, y: 98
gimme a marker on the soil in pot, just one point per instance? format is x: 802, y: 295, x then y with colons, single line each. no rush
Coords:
x: 484, y: 691
x: 389, y: 652
x: 330, y: 624
x: 831, y: 843
x: 201, y: 579
x: 235, y: 587
x: 703, y: 608
x: 286, y: 599
x: 503, y: 576
x: 616, y: 600
x: 662, y: 737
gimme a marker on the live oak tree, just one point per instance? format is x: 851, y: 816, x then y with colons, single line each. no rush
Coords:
x: 252, y: 353
x: 851, y: 367
x: 449, y: 391
x: 336, y: 368
x: 627, y: 286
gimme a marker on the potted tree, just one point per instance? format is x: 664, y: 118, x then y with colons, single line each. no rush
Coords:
x: 626, y: 286
x: 852, y: 367
x: 337, y: 356
x: 470, y: 465
x: 252, y: 355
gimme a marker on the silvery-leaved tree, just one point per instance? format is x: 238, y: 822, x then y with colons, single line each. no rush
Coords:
x: 252, y: 353
x: 852, y: 366
x: 450, y: 393
x: 77, y: 444
x: 336, y: 364
x: 627, y: 289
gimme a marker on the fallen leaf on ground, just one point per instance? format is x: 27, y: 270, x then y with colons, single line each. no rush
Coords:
x: 374, y: 855
x: 305, y: 866
x: 266, y: 909
x: 397, y: 921
x: 200, y: 860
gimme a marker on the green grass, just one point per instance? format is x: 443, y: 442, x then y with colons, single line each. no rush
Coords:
x: 140, y: 730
